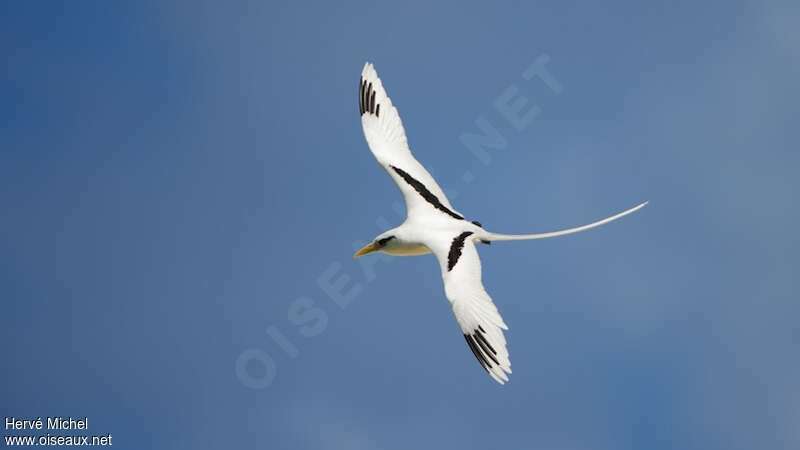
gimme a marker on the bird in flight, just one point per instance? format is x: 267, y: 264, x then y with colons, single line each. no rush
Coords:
x: 432, y: 225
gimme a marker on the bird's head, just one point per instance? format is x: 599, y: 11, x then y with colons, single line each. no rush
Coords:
x: 377, y: 244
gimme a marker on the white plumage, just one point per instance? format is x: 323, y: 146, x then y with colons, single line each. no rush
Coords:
x: 433, y: 226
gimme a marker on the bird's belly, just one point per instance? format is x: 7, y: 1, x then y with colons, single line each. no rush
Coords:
x: 408, y: 250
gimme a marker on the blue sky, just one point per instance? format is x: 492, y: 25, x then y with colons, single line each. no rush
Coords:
x: 178, y: 178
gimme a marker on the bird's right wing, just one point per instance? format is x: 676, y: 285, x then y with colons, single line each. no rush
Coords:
x: 386, y: 137
x: 477, y: 316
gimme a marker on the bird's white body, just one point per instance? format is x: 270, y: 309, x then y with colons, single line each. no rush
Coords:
x: 433, y: 226
x: 419, y: 235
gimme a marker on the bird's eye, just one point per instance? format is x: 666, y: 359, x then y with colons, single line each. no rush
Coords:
x: 384, y: 241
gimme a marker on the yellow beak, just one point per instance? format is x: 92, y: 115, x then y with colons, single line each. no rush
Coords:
x: 369, y: 248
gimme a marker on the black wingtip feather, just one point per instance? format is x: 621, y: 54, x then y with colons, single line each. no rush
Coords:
x: 362, y: 87
x: 486, y: 346
x: 477, y: 353
x: 366, y: 99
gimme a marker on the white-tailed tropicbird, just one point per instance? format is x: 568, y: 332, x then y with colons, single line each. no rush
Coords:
x: 432, y: 225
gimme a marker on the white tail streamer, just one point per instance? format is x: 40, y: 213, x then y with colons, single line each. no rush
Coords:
x: 522, y: 237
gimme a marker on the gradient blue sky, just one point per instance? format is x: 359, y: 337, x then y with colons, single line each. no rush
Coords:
x: 177, y: 175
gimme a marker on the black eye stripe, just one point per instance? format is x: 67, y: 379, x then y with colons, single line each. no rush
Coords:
x: 383, y: 241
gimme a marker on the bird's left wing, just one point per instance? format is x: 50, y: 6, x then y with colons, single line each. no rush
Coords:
x: 477, y: 316
x: 386, y: 137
